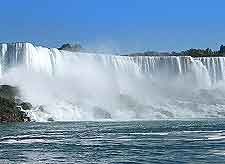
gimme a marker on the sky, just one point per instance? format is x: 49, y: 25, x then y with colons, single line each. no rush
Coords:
x: 115, y: 25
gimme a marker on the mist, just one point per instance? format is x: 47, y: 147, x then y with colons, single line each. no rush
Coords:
x: 74, y: 86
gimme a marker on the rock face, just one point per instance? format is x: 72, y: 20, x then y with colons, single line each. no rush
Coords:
x: 10, y: 108
x: 9, y: 112
x: 70, y: 47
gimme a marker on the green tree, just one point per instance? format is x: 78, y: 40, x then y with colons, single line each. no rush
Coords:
x: 222, y: 49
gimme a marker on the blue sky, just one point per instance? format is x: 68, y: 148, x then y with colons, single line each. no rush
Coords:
x: 115, y: 25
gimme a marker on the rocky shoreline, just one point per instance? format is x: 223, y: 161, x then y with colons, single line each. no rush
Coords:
x: 12, y: 109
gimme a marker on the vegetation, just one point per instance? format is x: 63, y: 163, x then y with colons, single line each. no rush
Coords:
x: 191, y: 52
x: 222, y: 49
x: 200, y: 53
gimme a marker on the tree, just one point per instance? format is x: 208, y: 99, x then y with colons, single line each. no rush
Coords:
x: 222, y: 49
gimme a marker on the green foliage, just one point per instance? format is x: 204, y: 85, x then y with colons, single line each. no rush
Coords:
x: 204, y: 53
x: 200, y: 53
x: 191, y: 52
x: 222, y: 49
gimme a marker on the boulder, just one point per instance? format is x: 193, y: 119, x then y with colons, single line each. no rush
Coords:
x: 70, y: 47
x: 26, y: 106
x: 50, y: 119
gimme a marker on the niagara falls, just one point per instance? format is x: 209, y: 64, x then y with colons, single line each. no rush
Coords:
x: 112, y: 82
x: 80, y: 86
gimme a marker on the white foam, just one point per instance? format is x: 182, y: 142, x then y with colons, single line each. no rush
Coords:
x: 24, y: 141
x: 216, y: 137
x: 153, y: 133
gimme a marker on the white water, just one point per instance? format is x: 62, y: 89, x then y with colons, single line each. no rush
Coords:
x: 85, y: 86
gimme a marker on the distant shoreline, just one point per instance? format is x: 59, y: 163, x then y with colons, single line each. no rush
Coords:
x: 191, y: 52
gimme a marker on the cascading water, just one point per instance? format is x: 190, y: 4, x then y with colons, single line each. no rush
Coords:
x: 85, y: 86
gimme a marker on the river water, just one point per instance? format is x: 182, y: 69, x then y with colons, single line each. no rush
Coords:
x: 161, y: 141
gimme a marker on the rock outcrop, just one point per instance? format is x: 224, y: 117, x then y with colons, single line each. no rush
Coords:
x: 12, y: 108
x: 70, y: 47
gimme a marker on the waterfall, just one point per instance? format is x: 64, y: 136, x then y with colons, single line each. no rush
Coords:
x: 89, y: 86
x: 215, y: 67
x: 48, y: 60
x: 37, y: 58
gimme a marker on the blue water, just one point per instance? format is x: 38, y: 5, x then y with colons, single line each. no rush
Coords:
x: 195, y: 141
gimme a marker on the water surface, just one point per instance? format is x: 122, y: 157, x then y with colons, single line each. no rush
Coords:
x: 177, y: 141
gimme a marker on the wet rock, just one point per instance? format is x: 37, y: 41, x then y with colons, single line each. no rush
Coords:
x: 41, y: 108
x: 50, y: 119
x: 9, y: 109
x: 18, y: 101
x: 26, y: 106
x: 26, y: 119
